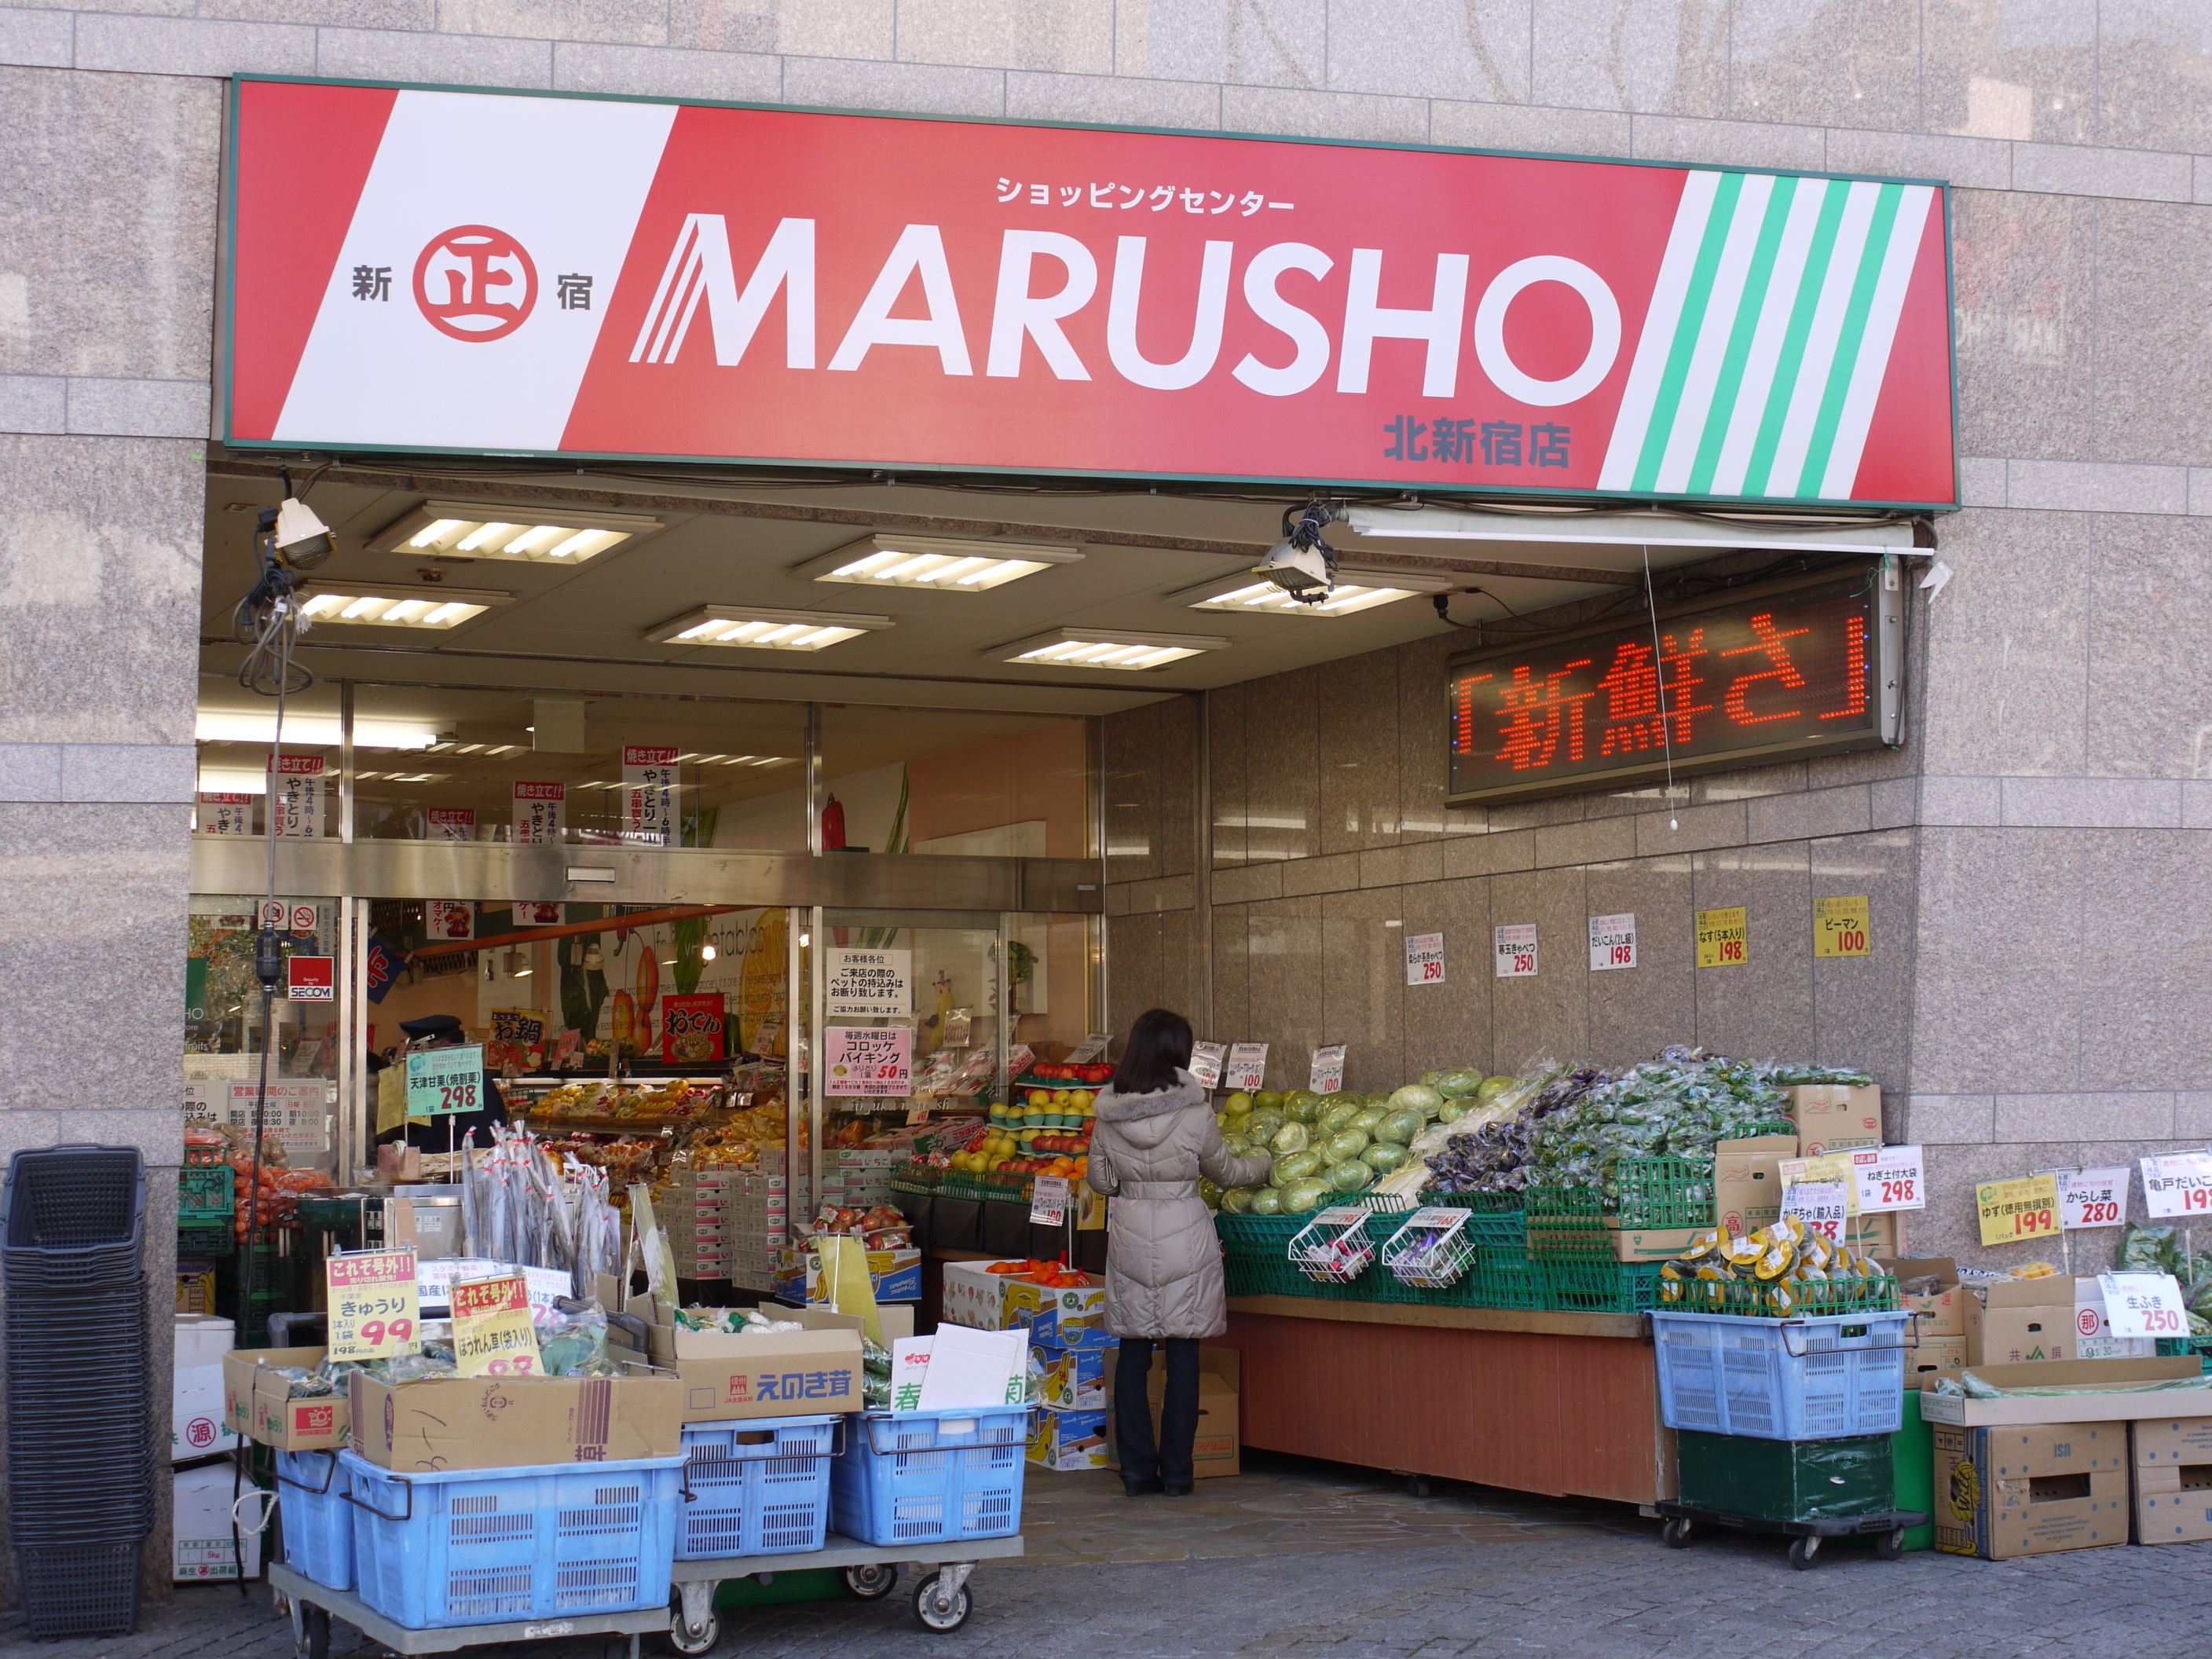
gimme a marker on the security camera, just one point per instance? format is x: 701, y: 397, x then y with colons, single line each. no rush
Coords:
x: 1301, y: 564
x: 299, y: 540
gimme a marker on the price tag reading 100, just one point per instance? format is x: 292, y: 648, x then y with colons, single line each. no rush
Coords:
x: 373, y: 1306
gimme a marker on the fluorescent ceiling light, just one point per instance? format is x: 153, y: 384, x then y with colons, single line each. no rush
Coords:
x: 1650, y: 528
x: 1094, y: 647
x: 336, y: 601
x: 933, y: 564
x: 514, y: 531
x: 1356, y: 590
x: 756, y: 627
x: 310, y: 730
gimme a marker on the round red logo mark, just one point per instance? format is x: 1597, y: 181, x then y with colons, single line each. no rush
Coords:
x: 200, y: 1431
x: 2086, y: 1322
x: 474, y: 282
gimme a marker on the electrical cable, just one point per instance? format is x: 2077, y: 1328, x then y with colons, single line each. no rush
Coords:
x: 1659, y: 678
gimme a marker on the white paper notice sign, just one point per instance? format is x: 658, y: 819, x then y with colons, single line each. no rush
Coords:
x: 2093, y: 1198
x: 2179, y: 1183
x: 448, y: 918
x: 1516, y: 950
x: 1248, y: 1067
x: 649, y: 791
x: 541, y: 811
x: 226, y: 814
x: 1425, y: 959
x: 1048, y: 1201
x: 1206, y: 1059
x: 1888, y: 1178
x: 869, y: 984
x: 295, y: 795
x: 1325, y: 1075
x: 296, y: 1115
x: 1819, y: 1205
x: 2143, y: 1305
x: 1612, y: 941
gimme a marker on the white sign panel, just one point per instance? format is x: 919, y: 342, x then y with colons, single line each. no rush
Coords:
x: 1248, y: 1067
x: 297, y: 1115
x: 1612, y: 941
x: 1206, y: 1059
x: 1425, y: 959
x: 1325, y: 1074
x: 2144, y: 1304
x: 2093, y: 1198
x: 649, y: 788
x: 1819, y: 1205
x: 295, y: 794
x: 226, y: 814
x: 2093, y: 1327
x: 1889, y: 1178
x: 1048, y: 1201
x: 541, y: 811
x: 2179, y: 1183
x: 869, y: 984
x: 1516, y: 950
x: 450, y: 824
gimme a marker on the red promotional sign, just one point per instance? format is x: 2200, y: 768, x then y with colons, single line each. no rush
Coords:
x: 310, y: 979
x: 691, y: 1029
x: 721, y: 282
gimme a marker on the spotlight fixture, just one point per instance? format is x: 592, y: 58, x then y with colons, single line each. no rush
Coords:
x: 932, y: 563
x: 1301, y: 564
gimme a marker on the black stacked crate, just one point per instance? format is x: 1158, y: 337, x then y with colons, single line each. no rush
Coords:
x: 80, y: 1406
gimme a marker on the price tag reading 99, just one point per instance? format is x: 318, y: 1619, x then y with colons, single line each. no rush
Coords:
x: 373, y: 1305
x: 2014, y: 1212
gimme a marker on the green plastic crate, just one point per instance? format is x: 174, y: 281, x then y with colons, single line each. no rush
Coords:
x: 1663, y: 1192
x: 205, y: 1241
x: 1567, y: 1221
x: 1506, y: 1278
x: 206, y: 1197
x: 1787, y: 1479
x: 1497, y: 1221
x: 2174, y: 1348
x: 1599, y: 1286
x: 1753, y: 1300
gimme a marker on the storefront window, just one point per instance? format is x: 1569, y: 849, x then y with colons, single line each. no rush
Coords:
x: 225, y: 1037
x: 954, y: 783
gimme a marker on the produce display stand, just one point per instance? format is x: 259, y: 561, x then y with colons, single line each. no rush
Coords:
x: 1527, y: 1399
x: 1889, y: 1526
x: 313, y: 1606
x: 941, y: 1599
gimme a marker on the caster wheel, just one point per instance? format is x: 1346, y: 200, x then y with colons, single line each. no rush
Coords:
x: 1804, y: 1553
x: 686, y: 1640
x: 1675, y: 1534
x: 319, y: 1633
x: 1419, y: 1485
x: 941, y: 1617
x: 1890, y: 1546
x: 872, y: 1581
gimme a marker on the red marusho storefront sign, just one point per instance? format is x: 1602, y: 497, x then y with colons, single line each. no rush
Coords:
x: 483, y: 272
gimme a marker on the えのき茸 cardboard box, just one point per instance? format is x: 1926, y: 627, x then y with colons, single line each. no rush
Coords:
x: 1835, y: 1117
x: 2090, y: 1407
x: 2030, y: 1489
x: 507, y: 1422
x: 782, y: 1374
x: 2017, y: 1321
x: 2173, y: 1473
x: 1748, y: 1181
x: 256, y: 1403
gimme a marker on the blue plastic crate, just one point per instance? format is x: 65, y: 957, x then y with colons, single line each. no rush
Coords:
x: 759, y: 1487
x: 931, y: 1477
x: 435, y: 1548
x: 1817, y: 1378
x: 317, y: 1521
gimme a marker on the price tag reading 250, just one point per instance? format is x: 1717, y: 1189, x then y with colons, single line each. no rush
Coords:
x: 373, y: 1307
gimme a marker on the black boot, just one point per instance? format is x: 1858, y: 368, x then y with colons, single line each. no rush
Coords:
x: 1140, y: 1485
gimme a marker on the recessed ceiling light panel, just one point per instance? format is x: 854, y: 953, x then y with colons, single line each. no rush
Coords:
x: 754, y: 627
x: 336, y: 602
x: 933, y: 564
x: 1097, y: 648
x: 1246, y: 594
x: 457, y: 530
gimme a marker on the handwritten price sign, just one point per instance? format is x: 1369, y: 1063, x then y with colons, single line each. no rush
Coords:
x: 2093, y: 1198
x: 1206, y: 1059
x: 444, y: 1082
x: 1516, y: 950
x: 373, y: 1307
x: 1819, y: 1205
x: 1325, y: 1072
x: 1612, y: 941
x: 1248, y: 1065
x: 2143, y: 1305
x: 868, y: 1060
x: 1724, y: 938
x: 1048, y: 1202
x: 2014, y: 1211
x: 492, y: 1333
x: 2180, y: 1183
x: 1425, y: 959
x: 1888, y: 1178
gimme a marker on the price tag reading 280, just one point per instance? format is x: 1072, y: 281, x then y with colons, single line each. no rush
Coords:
x: 373, y: 1307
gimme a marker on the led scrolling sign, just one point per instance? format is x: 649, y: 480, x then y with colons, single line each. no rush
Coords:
x: 1811, y: 667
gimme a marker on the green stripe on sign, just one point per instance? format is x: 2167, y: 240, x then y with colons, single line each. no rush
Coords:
x: 1849, y: 340
x: 1792, y: 359
x: 1729, y: 386
x: 1668, y: 401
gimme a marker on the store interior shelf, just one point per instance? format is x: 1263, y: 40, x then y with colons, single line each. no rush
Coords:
x: 1529, y: 1320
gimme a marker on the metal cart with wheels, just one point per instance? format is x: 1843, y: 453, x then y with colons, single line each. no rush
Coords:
x: 313, y: 1606
x: 941, y: 1600
x: 1805, y: 1537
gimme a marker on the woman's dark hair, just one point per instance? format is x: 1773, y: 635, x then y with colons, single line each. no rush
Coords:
x: 1159, y: 1047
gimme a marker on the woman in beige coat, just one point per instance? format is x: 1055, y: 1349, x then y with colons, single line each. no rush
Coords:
x: 1155, y: 1135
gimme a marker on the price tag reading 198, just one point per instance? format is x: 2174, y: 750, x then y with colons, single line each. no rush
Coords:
x: 2178, y: 1184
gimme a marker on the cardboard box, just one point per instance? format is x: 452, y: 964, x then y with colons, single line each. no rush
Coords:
x: 1876, y: 1235
x: 1651, y: 1243
x: 195, y: 1285
x: 1071, y: 1318
x: 728, y: 1378
x: 1215, y: 1448
x: 1068, y: 1439
x: 505, y: 1423
x: 1941, y: 1315
x: 974, y: 1296
x: 201, y: 1512
x: 893, y: 1276
x: 199, y: 1416
x: 2173, y: 1472
x: 256, y: 1403
x: 1834, y: 1117
x: 1072, y: 1379
x: 1939, y: 1353
x: 2017, y: 1321
x: 2030, y: 1489
x: 2055, y: 1408
x: 1748, y: 1180
x: 2093, y: 1328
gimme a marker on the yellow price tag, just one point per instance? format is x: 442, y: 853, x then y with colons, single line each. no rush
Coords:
x: 1724, y: 940
x: 373, y: 1309
x: 1840, y: 927
x: 2015, y: 1211
x: 1837, y: 1167
x: 493, y: 1335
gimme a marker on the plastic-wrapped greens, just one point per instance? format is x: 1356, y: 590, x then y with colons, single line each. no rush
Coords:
x: 574, y: 1342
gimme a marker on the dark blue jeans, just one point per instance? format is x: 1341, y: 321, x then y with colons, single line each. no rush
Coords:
x: 1169, y: 1461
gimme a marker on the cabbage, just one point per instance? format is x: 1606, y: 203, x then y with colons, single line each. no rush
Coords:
x: 1239, y: 1103
x: 1209, y: 1193
x: 1349, y: 1176
x: 1266, y: 1201
x: 1345, y: 1143
x: 1368, y: 1117
x: 1464, y: 1081
x: 1296, y: 1166
x: 1260, y: 1128
x: 1290, y: 1138
x: 1414, y: 1095
x: 1384, y: 1156
x: 1337, y: 1117
x: 1452, y: 1111
x: 1234, y: 1144
x: 1236, y: 1200
x: 1301, y: 1196
x: 1401, y: 1126
x: 1267, y: 1101
x: 1492, y: 1087
x: 1303, y: 1105
x: 1429, y: 1079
